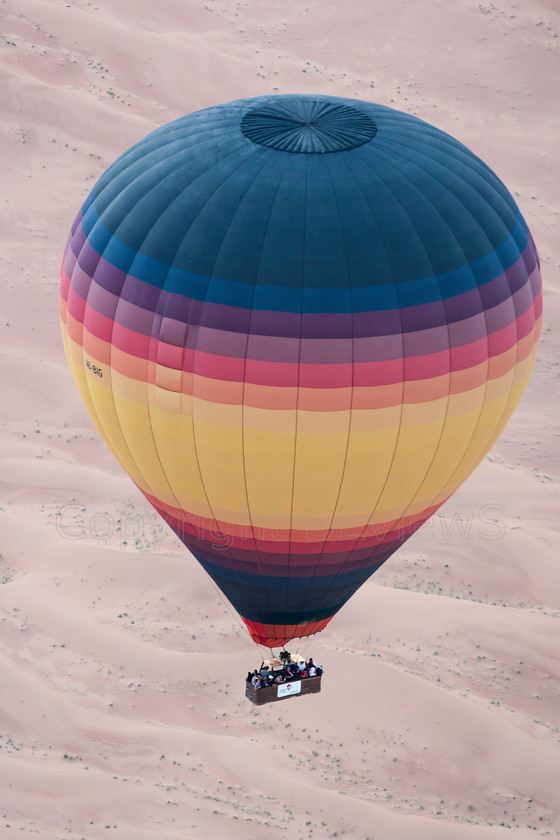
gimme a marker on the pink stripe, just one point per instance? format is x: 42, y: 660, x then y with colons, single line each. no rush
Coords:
x: 538, y: 305
x: 136, y: 344
x: 99, y: 325
x: 76, y: 306
x: 282, y: 374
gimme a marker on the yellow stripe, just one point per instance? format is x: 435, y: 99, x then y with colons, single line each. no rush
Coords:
x: 249, y: 453
x: 182, y: 445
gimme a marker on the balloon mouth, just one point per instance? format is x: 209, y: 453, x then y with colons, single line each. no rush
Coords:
x: 308, y: 126
x: 278, y: 635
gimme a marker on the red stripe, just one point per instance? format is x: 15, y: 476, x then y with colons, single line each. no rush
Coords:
x: 274, y: 635
x: 281, y: 542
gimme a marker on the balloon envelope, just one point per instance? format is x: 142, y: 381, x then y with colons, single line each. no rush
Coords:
x: 299, y: 323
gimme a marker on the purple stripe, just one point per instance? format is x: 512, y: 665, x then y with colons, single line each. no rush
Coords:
x: 106, y: 304
x: 76, y: 223
x: 504, y: 313
x: 306, y: 351
x: 127, y: 313
x: 69, y: 261
x: 292, y: 324
x: 81, y: 283
x: 536, y: 281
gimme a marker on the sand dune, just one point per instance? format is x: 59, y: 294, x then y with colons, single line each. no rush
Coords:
x: 122, y: 711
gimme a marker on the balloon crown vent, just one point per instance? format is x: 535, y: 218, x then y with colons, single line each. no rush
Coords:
x: 308, y: 126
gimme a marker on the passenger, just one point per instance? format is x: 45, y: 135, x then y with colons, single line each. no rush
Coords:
x: 255, y: 680
x: 309, y: 663
x: 279, y: 679
x: 263, y: 674
x: 250, y: 675
x: 301, y: 666
x: 319, y: 670
x: 312, y: 671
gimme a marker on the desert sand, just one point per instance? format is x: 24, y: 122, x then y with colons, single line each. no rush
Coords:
x: 122, y: 712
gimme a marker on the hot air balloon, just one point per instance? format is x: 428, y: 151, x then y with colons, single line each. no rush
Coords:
x: 299, y: 323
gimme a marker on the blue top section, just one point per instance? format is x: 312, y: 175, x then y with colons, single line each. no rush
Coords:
x: 394, y: 202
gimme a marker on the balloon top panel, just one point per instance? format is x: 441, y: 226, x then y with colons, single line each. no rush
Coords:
x: 308, y: 126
